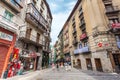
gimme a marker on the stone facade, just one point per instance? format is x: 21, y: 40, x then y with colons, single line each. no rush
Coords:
x: 32, y: 19
x: 93, y: 38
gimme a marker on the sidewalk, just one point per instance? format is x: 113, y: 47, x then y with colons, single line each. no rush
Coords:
x: 35, y: 75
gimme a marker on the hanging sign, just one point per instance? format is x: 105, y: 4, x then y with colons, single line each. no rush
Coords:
x: 6, y: 36
x: 100, y: 44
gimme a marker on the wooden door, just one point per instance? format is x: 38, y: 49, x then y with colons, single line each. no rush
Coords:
x: 38, y: 38
x: 89, y: 64
x: 98, y: 64
x: 28, y: 33
x: 3, y: 54
x: 79, y: 63
x: 116, y: 58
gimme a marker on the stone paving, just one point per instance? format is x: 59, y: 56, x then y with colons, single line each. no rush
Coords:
x: 62, y: 74
x: 76, y: 74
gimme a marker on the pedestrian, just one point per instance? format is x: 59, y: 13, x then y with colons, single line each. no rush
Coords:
x: 57, y: 67
x: 66, y: 66
x: 53, y: 66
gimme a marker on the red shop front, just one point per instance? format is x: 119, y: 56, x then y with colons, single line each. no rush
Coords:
x: 7, y: 42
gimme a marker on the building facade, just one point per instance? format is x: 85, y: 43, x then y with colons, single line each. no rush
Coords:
x: 66, y: 50
x: 9, y: 30
x: 26, y: 25
x: 94, y: 38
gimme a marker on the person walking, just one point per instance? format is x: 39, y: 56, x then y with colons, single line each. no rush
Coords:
x: 53, y: 66
x: 57, y: 67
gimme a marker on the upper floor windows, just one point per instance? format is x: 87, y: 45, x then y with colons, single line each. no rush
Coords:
x: 42, y: 5
x: 8, y: 15
x: 118, y: 38
x: 114, y: 20
x: 15, y: 2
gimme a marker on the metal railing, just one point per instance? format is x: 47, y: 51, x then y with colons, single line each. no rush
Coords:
x: 113, y: 9
x: 34, y: 11
x: 8, y: 24
x: 31, y: 37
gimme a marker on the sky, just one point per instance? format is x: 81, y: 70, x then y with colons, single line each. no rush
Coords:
x: 60, y: 10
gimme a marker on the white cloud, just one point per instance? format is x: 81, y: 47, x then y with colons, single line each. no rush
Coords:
x: 59, y: 17
x: 70, y: 5
x: 54, y: 6
x: 58, y: 22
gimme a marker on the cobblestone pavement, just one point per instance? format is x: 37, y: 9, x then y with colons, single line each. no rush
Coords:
x: 75, y: 74
x: 62, y: 74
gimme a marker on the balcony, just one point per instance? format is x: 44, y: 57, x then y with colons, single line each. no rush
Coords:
x: 15, y: 5
x: 82, y: 25
x: 34, y: 17
x: 82, y: 50
x: 7, y: 24
x: 107, y: 2
x: 114, y: 28
x: 83, y: 36
x: 113, y: 10
x: 75, y: 41
x: 118, y: 44
x: 46, y: 50
x: 28, y: 38
x: 47, y: 36
x: 116, y: 25
x: 74, y: 32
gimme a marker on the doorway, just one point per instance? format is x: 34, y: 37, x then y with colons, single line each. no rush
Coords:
x: 116, y: 58
x: 79, y: 63
x: 28, y: 33
x: 89, y: 64
x: 98, y: 64
x: 38, y: 38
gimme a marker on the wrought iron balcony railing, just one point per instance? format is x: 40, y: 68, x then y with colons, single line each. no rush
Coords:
x: 15, y: 5
x: 4, y: 22
x: 34, y: 17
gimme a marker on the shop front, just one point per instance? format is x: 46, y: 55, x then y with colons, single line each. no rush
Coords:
x: 30, y: 61
x: 45, y: 59
x: 68, y: 58
x: 115, y: 60
x: 7, y: 41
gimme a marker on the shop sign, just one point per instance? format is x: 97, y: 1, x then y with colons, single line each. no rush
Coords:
x: 6, y: 36
x: 116, y: 25
x: 100, y: 44
x: 83, y: 36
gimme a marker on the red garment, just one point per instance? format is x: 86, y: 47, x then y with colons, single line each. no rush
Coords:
x: 16, y: 52
x: 18, y: 66
x: 10, y: 72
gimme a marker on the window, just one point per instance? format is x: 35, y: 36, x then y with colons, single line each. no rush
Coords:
x: 8, y: 15
x: 13, y: 2
x: 34, y: 2
x: 80, y: 46
x: 42, y: 5
x: 109, y: 8
x: 18, y: 1
x: 115, y: 20
x: 85, y: 44
x: 118, y: 38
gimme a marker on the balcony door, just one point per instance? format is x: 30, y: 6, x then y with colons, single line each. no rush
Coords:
x: 38, y: 38
x: 28, y: 33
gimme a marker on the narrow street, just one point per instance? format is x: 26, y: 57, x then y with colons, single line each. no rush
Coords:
x: 75, y: 74
x: 62, y: 74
